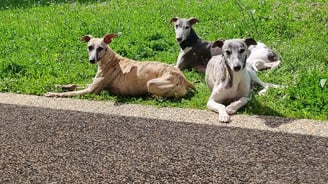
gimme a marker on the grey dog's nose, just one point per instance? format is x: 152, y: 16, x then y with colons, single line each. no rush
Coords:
x: 236, y: 68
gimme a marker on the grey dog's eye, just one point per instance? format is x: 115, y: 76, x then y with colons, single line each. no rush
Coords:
x: 228, y: 52
x: 187, y: 27
x: 241, y: 51
x: 90, y: 48
x: 99, y: 49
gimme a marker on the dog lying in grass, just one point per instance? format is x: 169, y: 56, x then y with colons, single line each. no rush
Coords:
x: 262, y: 57
x: 126, y: 77
x: 229, y: 77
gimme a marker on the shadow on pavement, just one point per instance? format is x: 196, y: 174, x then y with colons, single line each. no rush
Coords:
x: 41, y: 145
x: 262, y: 111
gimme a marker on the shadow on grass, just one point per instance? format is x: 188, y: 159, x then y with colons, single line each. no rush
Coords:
x: 267, y: 114
x: 161, y: 101
x: 9, y: 4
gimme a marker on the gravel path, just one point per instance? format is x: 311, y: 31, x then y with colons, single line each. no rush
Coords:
x: 45, y: 140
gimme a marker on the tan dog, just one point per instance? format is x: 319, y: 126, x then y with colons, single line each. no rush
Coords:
x: 126, y: 77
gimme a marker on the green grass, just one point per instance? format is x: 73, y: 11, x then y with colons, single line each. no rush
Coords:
x: 40, y: 46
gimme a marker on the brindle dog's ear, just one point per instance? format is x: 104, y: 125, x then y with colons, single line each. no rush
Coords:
x: 108, y: 38
x: 174, y: 19
x: 218, y: 43
x: 86, y: 38
x: 250, y: 41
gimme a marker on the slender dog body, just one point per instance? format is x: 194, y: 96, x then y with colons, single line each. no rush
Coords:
x: 229, y: 78
x: 195, y: 52
x: 126, y: 77
x: 262, y: 57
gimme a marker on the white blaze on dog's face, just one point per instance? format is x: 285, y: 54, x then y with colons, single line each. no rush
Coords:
x: 182, y: 27
x: 97, y: 46
x: 235, y: 52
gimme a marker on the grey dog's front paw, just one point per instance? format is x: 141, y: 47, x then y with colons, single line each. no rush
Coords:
x: 231, y: 110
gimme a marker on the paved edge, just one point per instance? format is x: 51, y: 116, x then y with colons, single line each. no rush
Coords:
x: 268, y: 123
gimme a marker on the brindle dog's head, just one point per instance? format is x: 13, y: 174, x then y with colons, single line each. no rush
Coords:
x: 97, y: 47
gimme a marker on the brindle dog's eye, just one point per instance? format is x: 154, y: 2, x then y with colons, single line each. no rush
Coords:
x: 99, y: 49
x: 90, y: 48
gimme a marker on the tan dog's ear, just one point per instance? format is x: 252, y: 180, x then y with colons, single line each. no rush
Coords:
x: 86, y: 38
x: 218, y: 43
x: 108, y: 38
x: 174, y: 19
x: 250, y: 41
x: 193, y: 20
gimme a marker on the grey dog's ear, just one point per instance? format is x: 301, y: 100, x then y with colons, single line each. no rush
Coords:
x: 193, y: 20
x: 218, y: 43
x: 86, y: 38
x: 174, y: 19
x: 250, y: 41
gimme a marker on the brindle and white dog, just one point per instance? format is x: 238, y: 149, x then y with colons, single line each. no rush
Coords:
x: 126, y: 77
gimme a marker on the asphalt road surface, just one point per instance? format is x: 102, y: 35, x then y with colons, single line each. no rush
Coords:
x: 41, y: 145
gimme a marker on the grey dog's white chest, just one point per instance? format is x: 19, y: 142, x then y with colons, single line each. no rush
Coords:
x: 240, y: 88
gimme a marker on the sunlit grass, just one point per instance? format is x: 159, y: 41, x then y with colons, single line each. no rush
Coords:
x: 40, y: 46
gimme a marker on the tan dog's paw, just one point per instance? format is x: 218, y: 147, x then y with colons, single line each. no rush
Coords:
x: 51, y: 94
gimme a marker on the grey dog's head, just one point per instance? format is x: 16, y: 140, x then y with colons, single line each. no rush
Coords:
x: 235, y: 52
x: 97, y: 47
x: 183, y: 27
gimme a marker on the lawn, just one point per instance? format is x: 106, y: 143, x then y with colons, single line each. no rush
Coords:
x: 40, y: 46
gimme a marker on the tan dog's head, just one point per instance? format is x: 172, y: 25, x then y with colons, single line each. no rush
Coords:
x: 235, y: 51
x: 97, y: 47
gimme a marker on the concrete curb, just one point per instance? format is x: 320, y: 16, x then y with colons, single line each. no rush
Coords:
x: 268, y: 123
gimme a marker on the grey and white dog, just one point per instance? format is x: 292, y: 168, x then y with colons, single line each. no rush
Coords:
x: 262, y: 57
x: 195, y: 52
x: 230, y: 78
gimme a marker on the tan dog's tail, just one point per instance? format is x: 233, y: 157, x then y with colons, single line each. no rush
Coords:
x: 189, y: 85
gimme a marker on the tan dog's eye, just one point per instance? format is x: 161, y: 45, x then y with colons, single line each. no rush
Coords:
x: 99, y: 49
x: 90, y: 48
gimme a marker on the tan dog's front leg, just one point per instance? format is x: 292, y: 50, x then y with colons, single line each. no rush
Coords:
x: 95, y: 88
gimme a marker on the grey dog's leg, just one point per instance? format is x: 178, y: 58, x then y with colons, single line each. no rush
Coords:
x: 213, y: 105
x: 234, y: 106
